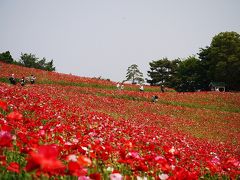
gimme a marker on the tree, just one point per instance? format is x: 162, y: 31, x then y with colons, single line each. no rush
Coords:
x: 173, y: 72
x: 6, y: 57
x: 188, y: 76
x: 49, y: 66
x: 162, y: 71
x: 134, y: 74
x: 41, y: 63
x: 30, y: 60
x: 221, y: 60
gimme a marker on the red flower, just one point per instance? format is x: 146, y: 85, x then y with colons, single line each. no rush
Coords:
x: 3, y: 160
x: 45, y: 158
x: 95, y: 176
x: 84, y: 161
x: 5, y: 139
x: 15, y: 116
x: 3, y: 105
x: 14, y: 167
x: 6, y: 127
x: 76, y: 169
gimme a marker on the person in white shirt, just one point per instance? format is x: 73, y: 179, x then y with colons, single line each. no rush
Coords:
x: 122, y: 87
x: 154, y: 99
x: 118, y: 86
x: 32, y: 79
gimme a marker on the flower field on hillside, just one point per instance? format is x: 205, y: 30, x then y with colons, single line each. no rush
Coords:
x: 69, y: 132
x: 46, y: 77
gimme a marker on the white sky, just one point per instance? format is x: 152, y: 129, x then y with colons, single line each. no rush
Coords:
x: 95, y: 38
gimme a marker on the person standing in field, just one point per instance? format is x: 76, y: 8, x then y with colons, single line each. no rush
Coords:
x: 32, y: 79
x: 122, y: 86
x: 22, y: 81
x: 141, y: 88
x: 162, y: 88
x: 12, y: 79
x: 118, y: 86
x: 154, y: 99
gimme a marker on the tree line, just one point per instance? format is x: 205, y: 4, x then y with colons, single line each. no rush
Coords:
x: 219, y: 62
x: 28, y: 60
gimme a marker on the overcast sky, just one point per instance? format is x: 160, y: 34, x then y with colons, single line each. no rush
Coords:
x: 95, y: 38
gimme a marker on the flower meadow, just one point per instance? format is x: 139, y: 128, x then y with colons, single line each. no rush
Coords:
x: 68, y: 127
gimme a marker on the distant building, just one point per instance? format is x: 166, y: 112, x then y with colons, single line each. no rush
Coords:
x: 217, y: 86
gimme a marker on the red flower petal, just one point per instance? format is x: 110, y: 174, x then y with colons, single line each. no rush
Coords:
x: 3, y: 105
x: 14, y: 167
x: 5, y: 139
x: 15, y: 116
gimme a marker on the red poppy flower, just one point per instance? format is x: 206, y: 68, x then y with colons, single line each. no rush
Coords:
x: 45, y: 158
x: 3, y: 105
x: 95, y: 176
x: 14, y: 167
x: 3, y: 160
x: 84, y: 161
x: 5, y: 139
x: 6, y: 127
x: 76, y: 169
x: 15, y: 116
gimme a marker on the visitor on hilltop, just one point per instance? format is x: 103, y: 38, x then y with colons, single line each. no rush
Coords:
x: 122, y: 86
x: 141, y: 88
x: 162, y: 88
x: 12, y: 79
x: 118, y: 86
x: 22, y: 81
x: 154, y: 99
x: 32, y: 79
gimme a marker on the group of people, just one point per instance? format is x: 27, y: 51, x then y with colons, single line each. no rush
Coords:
x: 23, y: 80
x: 120, y: 87
x: 141, y: 89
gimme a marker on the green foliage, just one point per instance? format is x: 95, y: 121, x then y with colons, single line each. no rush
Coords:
x: 4, y: 80
x: 28, y: 60
x: 162, y: 72
x: 188, y: 76
x: 6, y: 57
x: 31, y: 61
x: 221, y: 60
x: 134, y: 74
x: 49, y: 66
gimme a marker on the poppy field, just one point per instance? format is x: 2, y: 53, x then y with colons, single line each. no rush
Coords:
x: 70, y: 127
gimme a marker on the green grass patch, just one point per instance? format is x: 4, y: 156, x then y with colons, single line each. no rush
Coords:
x: 77, y: 84
x: 192, y: 105
x: 4, y: 80
x: 99, y: 86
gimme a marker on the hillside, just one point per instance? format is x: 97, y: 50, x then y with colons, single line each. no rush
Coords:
x: 82, y: 127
